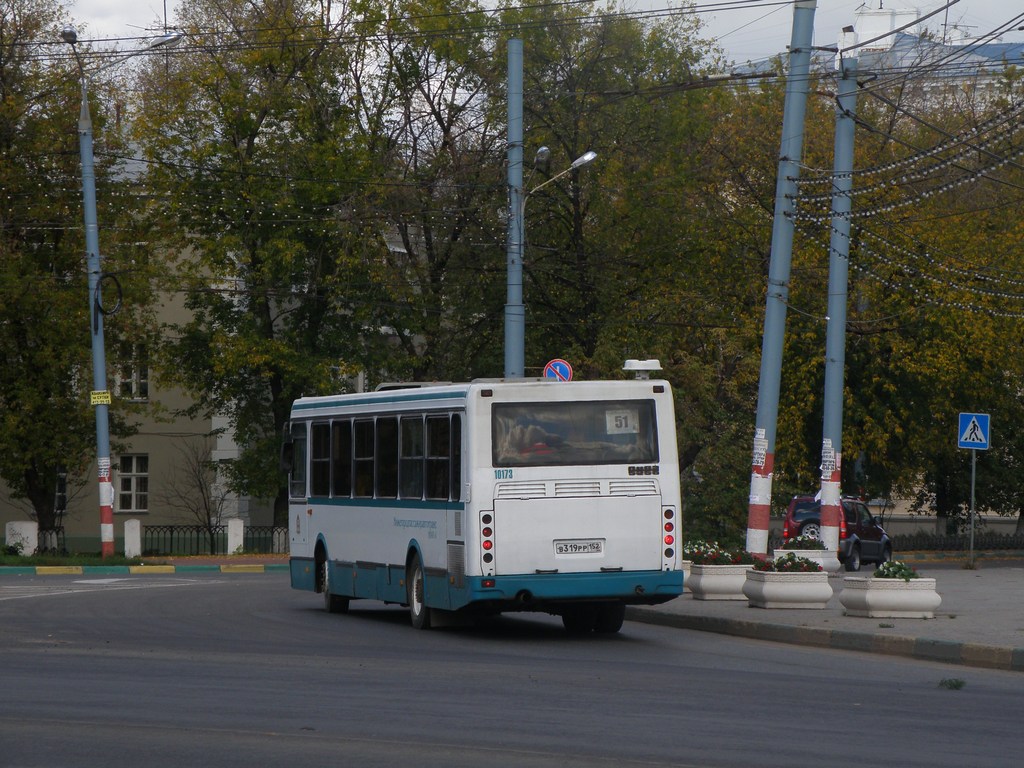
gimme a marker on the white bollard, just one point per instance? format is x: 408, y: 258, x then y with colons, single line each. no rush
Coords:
x: 236, y: 536
x: 25, y: 533
x: 133, y: 538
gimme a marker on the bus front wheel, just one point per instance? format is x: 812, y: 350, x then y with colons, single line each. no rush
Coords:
x: 419, y: 614
x: 332, y: 603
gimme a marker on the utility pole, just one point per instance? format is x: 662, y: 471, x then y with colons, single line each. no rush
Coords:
x: 791, y: 151
x: 100, y: 395
x: 838, y: 292
x: 515, y: 312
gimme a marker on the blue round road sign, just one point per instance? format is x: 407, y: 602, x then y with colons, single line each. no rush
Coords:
x: 558, y: 369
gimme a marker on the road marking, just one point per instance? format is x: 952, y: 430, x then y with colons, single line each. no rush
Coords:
x: 81, y: 586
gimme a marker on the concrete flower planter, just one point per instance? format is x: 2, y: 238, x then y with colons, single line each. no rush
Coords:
x: 772, y: 589
x: 828, y: 559
x: 718, y: 582
x: 889, y: 598
x: 686, y: 575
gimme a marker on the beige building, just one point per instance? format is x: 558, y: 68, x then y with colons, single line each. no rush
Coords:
x: 162, y: 478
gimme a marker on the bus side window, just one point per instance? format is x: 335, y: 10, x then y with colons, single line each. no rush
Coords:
x: 456, y: 468
x: 438, y: 456
x: 341, y: 458
x: 410, y: 468
x: 320, y: 461
x: 363, y: 458
x: 387, y: 457
x: 297, y: 476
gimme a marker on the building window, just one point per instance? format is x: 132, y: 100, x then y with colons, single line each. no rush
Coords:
x: 133, y: 373
x: 133, y: 484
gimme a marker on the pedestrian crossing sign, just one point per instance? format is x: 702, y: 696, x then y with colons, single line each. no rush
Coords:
x: 973, y: 431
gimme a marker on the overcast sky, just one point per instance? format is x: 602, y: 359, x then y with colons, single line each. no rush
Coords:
x: 746, y: 29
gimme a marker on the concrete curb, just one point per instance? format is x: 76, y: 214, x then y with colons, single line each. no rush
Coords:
x: 134, y: 570
x: 948, y: 652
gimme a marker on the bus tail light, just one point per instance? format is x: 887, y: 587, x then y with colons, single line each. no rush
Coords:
x: 487, y: 537
x: 668, y: 537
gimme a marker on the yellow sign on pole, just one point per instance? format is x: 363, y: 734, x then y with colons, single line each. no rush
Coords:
x: 100, y: 397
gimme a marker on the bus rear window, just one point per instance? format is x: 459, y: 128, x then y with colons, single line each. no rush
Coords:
x: 560, y: 434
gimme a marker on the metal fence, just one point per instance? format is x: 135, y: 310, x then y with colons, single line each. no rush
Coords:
x: 985, y: 540
x: 211, y: 540
x: 937, y: 542
x: 266, y: 539
x: 51, y: 541
x: 184, y: 540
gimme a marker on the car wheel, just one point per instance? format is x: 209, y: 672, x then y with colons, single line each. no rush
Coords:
x: 811, y: 530
x: 886, y: 555
x: 853, y: 559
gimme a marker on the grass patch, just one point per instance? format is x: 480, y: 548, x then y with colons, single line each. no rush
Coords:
x: 952, y: 683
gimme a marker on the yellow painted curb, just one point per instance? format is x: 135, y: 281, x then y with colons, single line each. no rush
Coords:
x: 150, y: 569
x: 241, y: 569
x: 59, y: 570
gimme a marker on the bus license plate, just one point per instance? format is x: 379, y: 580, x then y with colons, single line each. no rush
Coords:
x: 579, y: 547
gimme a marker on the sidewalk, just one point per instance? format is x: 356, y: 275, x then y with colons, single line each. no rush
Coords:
x: 980, y: 621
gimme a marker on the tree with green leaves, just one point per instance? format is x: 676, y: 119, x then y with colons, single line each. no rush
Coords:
x: 48, y: 427
x: 255, y: 152
x: 429, y: 122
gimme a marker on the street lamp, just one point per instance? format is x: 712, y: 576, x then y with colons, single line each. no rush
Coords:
x: 515, y: 312
x: 100, y: 396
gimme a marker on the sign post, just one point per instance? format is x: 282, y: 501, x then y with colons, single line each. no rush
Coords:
x: 973, y: 433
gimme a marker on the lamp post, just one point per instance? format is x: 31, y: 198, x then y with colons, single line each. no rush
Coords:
x: 515, y: 312
x: 100, y: 396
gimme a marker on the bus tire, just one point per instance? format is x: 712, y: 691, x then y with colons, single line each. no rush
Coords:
x: 579, y: 619
x: 610, y: 618
x: 332, y: 603
x: 419, y: 613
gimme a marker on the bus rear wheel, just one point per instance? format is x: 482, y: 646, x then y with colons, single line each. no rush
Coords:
x: 610, y: 618
x: 419, y: 614
x: 579, y: 619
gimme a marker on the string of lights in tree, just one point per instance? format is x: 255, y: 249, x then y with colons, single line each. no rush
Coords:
x: 913, y: 175
x: 912, y: 274
x: 917, y: 197
x: 965, y: 138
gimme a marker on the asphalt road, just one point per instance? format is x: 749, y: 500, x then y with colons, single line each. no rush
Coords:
x: 239, y: 670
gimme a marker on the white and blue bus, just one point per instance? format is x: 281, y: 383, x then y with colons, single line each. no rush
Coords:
x: 487, y: 497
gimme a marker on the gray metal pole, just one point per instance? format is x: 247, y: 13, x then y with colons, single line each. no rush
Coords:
x: 791, y: 151
x: 100, y: 396
x: 838, y: 291
x: 515, y: 312
x: 974, y: 467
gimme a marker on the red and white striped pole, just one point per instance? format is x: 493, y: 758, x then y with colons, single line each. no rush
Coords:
x: 831, y: 501
x: 760, y: 509
x: 106, y: 489
x: 779, y: 267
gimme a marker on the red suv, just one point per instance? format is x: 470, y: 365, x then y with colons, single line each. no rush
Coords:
x: 861, y: 536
